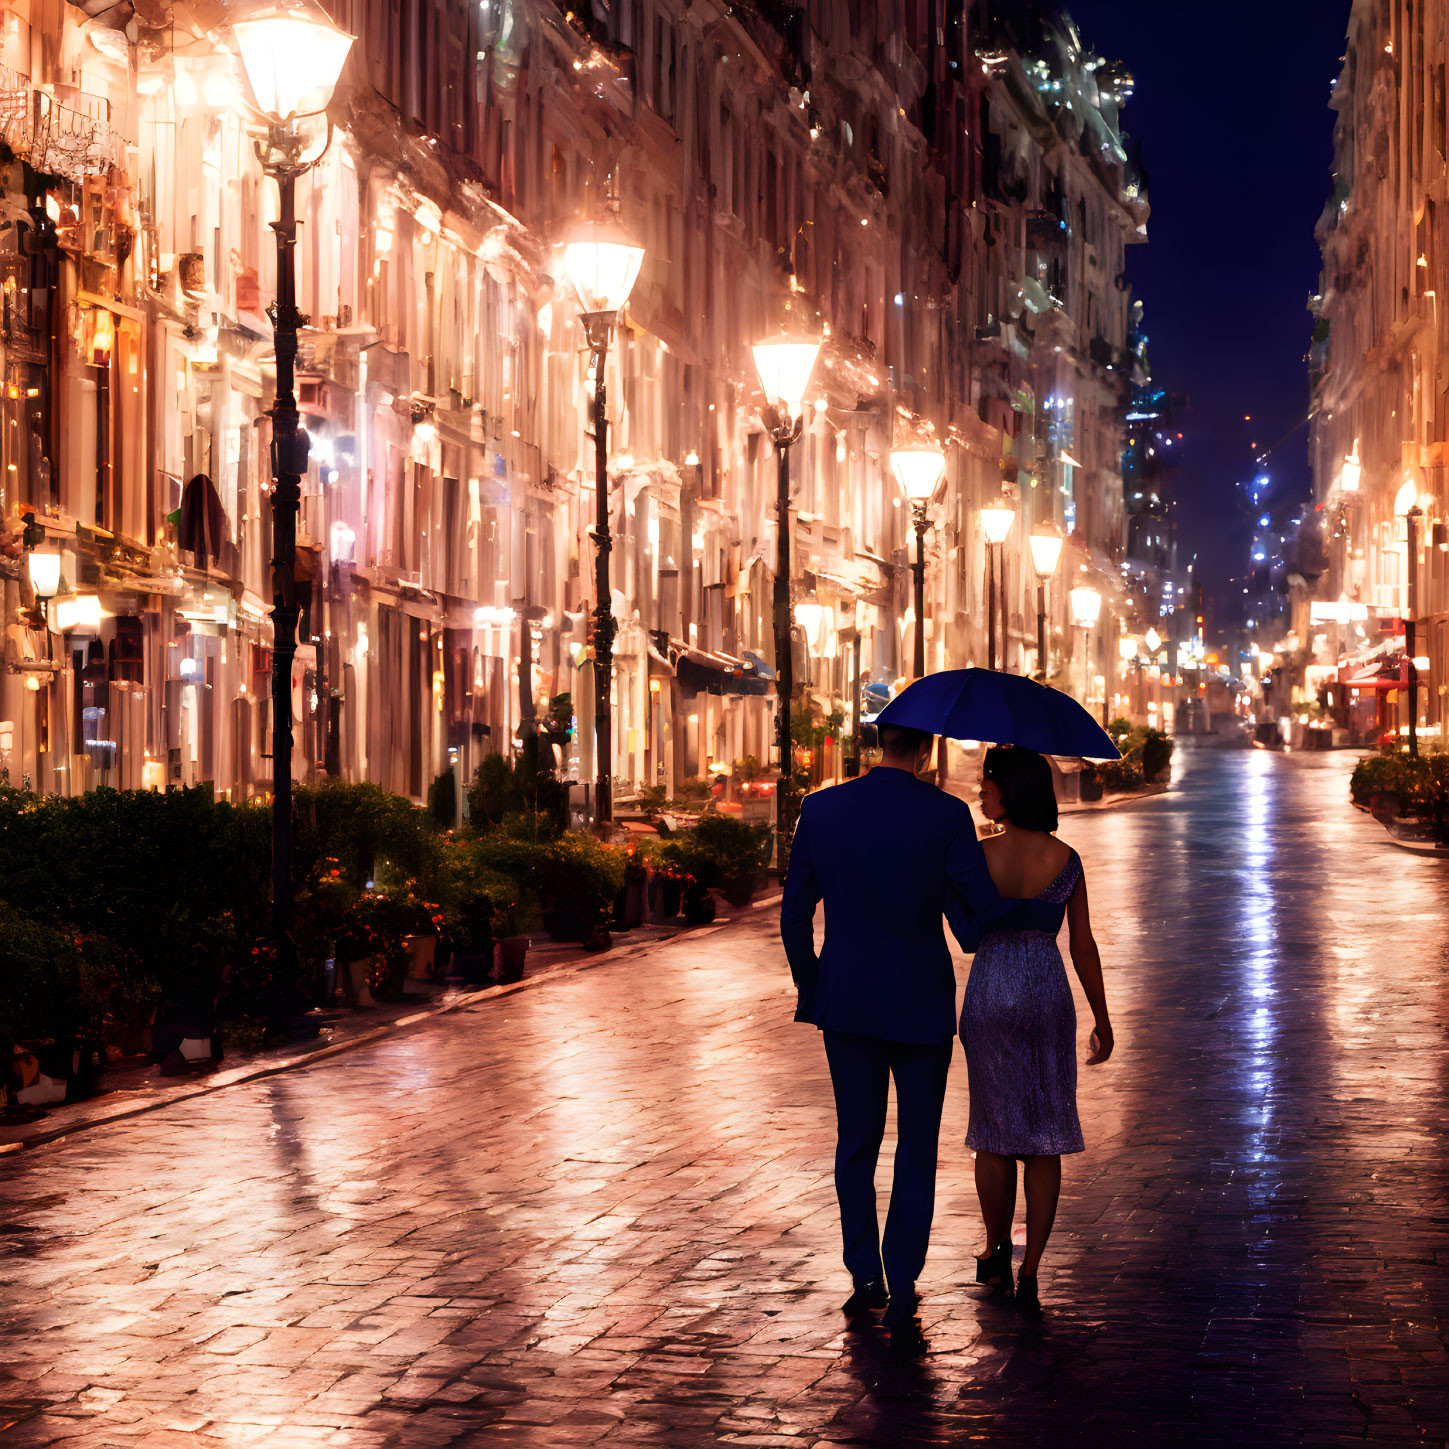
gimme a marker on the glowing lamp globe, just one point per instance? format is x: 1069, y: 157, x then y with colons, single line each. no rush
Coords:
x: 1086, y: 607
x: 1406, y: 498
x: 603, y: 265
x: 1349, y: 479
x: 1127, y: 648
x: 1046, y: 549
x: 919, y: 471
x: 785, y: 367
x: 996, y: 521
x: 44, y: 574
x: 293, y: 58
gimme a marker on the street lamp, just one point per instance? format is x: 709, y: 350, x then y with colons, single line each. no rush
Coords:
x: 293, y: 58
x: 996, y: 521
x: 1046, y: 550
x: 44, y: 570
x: 603, y: 265
x: 1086, y: 610
x: 784, y: 366
x: 919, y: 470
x: 1407, y: 503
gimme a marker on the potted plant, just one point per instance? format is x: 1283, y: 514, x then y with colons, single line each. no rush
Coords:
x: 512, y: 917
x: 578, y: 879
x: 669, y: 877
x: 733, y: 856
x: 632, y: 902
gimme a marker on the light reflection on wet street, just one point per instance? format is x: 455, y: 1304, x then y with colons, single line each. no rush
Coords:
x: 600, y: 1210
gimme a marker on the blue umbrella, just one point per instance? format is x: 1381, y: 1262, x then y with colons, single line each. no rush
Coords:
x: 982, y: 704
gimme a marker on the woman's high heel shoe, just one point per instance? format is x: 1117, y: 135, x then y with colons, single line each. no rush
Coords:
x: 994, y: 1270
x: 1027, y: 1300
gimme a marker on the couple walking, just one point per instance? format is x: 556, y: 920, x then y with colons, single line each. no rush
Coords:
x: 889, y: 855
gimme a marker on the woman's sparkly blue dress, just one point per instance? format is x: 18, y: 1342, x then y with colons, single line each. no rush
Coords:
x: 1019, y: 1029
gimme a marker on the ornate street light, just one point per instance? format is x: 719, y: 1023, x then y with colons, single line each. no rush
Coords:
x: 293, y: 58
x: 1046, y: 551
x: 996, y: 521
x: 919, y: 470
x: 784, y: 365
x: 603, y: 265
x: 1086, y: 610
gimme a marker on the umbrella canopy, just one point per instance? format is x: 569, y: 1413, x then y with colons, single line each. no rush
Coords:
x: 983, y: 704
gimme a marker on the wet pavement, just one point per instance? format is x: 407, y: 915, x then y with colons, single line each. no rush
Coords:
x: 600, y: 1210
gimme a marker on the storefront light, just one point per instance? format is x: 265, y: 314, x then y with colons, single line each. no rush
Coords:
x: 44, y: 571
x: 81, y: 612
x: 808, y: 616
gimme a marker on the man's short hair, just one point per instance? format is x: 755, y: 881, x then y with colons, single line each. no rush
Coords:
x: 900, y: 742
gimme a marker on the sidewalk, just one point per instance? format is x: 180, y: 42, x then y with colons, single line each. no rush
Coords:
x: 134, y: 1090
x: 599, y: 1214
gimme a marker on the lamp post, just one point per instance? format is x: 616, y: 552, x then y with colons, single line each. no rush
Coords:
x: 996, y: 521
x: 603, y: 265
x: 1086, y: 610
x: 293, y: 58
x: 1046, y: 550
x: 919, y: 470
x: 784, y: 366
x: 1407, y: 503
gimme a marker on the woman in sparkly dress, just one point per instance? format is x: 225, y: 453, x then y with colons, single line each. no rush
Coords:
x: 1018, y: 1023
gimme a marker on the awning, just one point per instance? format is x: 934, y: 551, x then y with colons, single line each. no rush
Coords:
x: 701, y: 671
x: 1386, y: 667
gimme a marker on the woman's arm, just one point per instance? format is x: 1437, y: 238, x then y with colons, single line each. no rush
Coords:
x: 1088, y: 964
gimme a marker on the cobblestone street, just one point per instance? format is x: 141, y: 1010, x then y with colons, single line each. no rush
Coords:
x: 600, y: 1210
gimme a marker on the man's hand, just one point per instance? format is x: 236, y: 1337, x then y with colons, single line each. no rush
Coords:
x: 1101, y: 1044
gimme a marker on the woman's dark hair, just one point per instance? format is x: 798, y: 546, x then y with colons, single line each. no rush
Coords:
x: 1025, y: 781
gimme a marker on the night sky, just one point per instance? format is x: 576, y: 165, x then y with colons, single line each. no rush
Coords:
x: 1231, y: 112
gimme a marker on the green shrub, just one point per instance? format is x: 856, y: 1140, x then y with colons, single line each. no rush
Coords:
x: 1418, y: 785
x: 525, y: 784
x: 40, y: 985
x: 173, y: 882
x: 377, y: 839
x: 480, y: 904
x: 727, y: 853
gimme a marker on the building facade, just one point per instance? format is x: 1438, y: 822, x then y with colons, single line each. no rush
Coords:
x: 946, y: 202
x: 1380, y: 437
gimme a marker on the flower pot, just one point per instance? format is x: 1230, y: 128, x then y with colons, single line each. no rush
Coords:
x: 664, y: 897
x: 739, y: 890
x: 699, y: 906
x: 420, y: 951
x: 630, y: 905
x: 359, y: 982
x: 475, y: 967
x: 512, y: 957
x: 570, y: 922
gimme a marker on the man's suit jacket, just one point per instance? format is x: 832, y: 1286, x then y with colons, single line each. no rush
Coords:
x: 889, y: 855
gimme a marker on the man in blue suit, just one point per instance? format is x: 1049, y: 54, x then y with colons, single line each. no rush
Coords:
x: 889, y: 854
